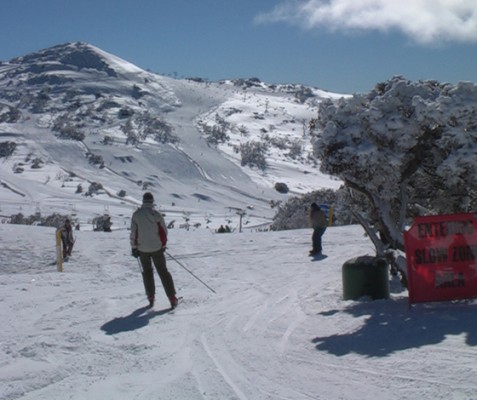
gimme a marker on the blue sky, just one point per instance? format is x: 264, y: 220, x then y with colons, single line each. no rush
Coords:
x: 343, y: 46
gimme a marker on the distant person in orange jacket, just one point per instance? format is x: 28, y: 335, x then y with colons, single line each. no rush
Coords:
x: 148, y: 242
x: 319, y: 223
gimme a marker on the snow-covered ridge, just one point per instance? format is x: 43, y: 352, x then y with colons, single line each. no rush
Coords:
x: 77, y: 55
x: 91, y: 127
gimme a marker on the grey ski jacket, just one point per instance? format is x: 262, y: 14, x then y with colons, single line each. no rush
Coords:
x: 148, y: 229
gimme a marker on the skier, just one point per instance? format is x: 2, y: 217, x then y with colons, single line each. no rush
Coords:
x: 318, y: 223
x: 67, y: 239
x: 148, y: 242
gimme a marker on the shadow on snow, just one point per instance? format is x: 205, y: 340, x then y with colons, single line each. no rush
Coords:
x: 136, y: 320
x: 392, y: 326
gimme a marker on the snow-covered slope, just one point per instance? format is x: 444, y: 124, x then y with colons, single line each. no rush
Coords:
x: 80, y: 116
x: 276, y: 328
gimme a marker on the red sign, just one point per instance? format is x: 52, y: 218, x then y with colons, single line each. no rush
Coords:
x: 441, y: 255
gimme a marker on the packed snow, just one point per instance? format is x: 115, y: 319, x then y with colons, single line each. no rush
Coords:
x: 276, y: 327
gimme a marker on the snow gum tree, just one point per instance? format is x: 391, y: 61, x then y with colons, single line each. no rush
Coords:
x: 404, y: 149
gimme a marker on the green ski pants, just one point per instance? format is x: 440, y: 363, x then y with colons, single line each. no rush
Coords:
x: 148, y: 273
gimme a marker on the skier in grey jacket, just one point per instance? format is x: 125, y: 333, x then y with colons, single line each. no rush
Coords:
x: 148, y: 242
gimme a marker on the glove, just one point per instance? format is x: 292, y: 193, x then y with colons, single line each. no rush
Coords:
x: 135, y: 253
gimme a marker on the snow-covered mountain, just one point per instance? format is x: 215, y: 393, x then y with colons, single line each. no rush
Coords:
x: 81, y: 127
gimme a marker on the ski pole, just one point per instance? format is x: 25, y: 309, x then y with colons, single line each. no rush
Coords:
x: 190, y: 272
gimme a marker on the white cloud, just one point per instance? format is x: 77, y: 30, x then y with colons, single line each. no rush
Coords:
x: 424, y: 21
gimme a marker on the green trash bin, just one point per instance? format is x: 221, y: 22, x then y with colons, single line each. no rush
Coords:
x: 365, y: 276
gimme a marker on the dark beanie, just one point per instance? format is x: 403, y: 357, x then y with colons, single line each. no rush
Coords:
x: 148, y: 198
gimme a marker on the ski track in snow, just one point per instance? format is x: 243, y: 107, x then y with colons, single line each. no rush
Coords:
x: 276, y: 329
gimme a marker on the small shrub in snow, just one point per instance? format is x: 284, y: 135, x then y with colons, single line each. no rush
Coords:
x: 253, y: 154
x: 132, y: 134
x: 161, y: 131
x: 66, y: 130
x: 217, y: 133
x: 295, y: 150
x: 141, y: 126
x: 37, y: 163
x: 7, y: 148
x: 39, y: 102
x: 243, y: 130
x: 125, y: 112
x: 107, y: 140
x: 94, y: 188
x: 95, y: 159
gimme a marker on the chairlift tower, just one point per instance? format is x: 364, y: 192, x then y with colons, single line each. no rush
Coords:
x: 241, y: 213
